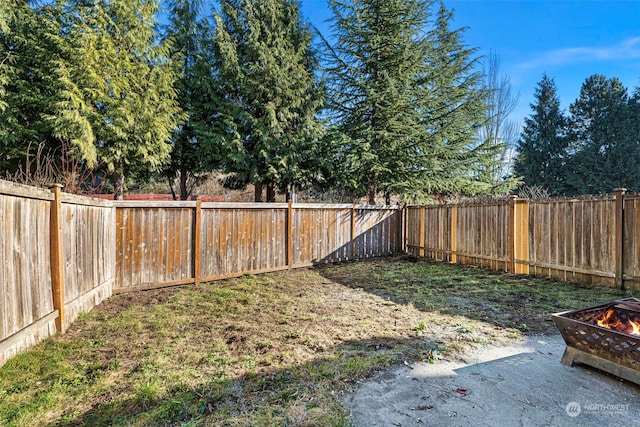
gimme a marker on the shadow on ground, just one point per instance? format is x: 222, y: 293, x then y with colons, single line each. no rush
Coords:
x: 522, y: 303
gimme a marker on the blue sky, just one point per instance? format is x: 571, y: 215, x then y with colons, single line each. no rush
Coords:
x: 569, y: 40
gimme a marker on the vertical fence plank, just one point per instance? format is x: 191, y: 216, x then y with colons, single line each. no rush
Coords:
x: 289, y: 236
x: 353, y: 230
x: 619, y: 237
x: 197, y: 241
x: 453, y: 240
x: 512, y: 234
x: 421, y: 248
x: 522, y: 237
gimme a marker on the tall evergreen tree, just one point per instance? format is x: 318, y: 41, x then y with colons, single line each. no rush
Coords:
x: 30, y: 46
x: 456, y: 109
x: 197, y: 140
x: 406, y: 100
x: 122, y: 85
x: 603, y: 138
x: 542, y: 148
x: 268, y: 68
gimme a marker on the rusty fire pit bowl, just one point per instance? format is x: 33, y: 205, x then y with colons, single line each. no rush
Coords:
x: 609, y: 350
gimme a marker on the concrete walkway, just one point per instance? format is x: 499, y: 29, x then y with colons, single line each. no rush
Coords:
x: 521, y: 385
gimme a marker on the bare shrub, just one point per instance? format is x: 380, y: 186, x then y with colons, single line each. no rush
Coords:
x: 58, y: 166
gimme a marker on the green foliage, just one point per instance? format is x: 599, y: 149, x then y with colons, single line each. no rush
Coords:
x: 594, y: 150
x: 542, y: 145
x: 120, y: 84
x: 267, y: 68
x: 30, y: 47
x: 197, y: 140
x: 603, y: 139
x: 406, y: 101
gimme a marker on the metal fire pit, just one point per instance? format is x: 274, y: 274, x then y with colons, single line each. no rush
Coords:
x: 608, y: 350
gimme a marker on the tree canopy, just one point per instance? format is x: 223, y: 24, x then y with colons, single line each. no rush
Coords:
x: 594, y: 149
x: 122, y: 84
x: 197, y: 140
x: 405, y: 93
x: 542, y: 147
x: 391, y: 102
x: 272, y: 95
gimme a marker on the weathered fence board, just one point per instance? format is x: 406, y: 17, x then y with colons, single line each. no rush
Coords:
x: 236, y: 241
x: 482, y: 237
x: 89, y: 254
x: 24, y: 271
x: 153, y: 245
x: 157, y: 243
x: 377, y: 232
x: 322, y: 235
x: 631, y: 241
x: 25, y: 275
x: 591, y: 240
x: 573, y: 240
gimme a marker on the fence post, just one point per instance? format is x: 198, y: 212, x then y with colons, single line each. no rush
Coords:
x: 197, y: 249
x: 512, y: 234
x: 521, y: 250
x: 57, y: 255
x: 353, y: 230
x: 619, y: 280
x: 453, y: 230
x: 403, y: 230
x: 290, y: 234
x: 421, y: 248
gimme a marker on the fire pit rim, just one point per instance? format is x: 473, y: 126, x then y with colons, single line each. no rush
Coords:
x: 601, y: 306
x: 598, y: 306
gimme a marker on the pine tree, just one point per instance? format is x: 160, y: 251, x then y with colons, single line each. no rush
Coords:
x: 542, y: 148
x: 407, y: 101
x: 603, y: 139
x: 121, y: 84
x: 267, y: 68
x: 197, y: 140
x: 456, y: 109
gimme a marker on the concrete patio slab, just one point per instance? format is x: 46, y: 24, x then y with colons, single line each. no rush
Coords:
x: 518, y: 385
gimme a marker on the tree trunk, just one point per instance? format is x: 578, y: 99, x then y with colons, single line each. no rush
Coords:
x: 118, y: 184
x: 271, y: 192
x: 372, y: 193
x: 170, y: 181
x: 387, y: 198
x: 258, y: 192
x: 184, y: 190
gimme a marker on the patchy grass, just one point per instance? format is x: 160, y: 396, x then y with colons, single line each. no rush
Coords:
x: 276, y: 349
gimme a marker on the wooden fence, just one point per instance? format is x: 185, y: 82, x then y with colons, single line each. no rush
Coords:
x: 60, y: 254
x: 27, y: 314
x: 56, y: 257
x: 589, y: 241
x: 163, y: 244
